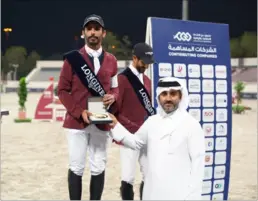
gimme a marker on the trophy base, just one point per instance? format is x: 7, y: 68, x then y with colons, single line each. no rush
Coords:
x: 100, y: 118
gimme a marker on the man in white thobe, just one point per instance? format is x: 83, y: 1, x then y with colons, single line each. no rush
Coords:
x: 176, y: 146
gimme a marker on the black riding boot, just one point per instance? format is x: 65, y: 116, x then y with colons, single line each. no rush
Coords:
x: 126, y: 191
x: 141, y: 189
x: 97, y: 186
x: 74, y: 186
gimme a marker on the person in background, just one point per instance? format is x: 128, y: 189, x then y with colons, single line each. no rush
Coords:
x: 133, y: 108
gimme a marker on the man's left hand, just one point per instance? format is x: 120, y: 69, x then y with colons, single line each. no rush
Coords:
x: 108, y: 99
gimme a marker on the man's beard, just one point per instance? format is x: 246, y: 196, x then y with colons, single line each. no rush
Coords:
x: 140, y: 69
x: 170, y: 109
x: 93, y: 42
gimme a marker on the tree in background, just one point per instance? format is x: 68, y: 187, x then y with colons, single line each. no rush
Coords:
x: 5, y: 68
x: 244, y: 46
x: 121, y: 49
x: 239, y: 88
x: 16, y: 57
x: 28, y: 65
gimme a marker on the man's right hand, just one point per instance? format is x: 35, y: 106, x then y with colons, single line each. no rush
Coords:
x: 114, y: 120
x: 85, y: 116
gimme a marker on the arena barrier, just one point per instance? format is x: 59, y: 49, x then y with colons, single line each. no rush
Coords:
x: 49, y: 108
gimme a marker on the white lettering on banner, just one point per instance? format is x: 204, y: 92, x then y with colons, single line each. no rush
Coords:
x: 93, y: 82
x: 147, y: 102
x: 199, y: 51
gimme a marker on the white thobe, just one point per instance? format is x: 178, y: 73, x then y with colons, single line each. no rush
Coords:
x: 176, y: 155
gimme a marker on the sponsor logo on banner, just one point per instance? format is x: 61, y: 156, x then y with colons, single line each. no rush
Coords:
x: 219, y: 172
x: 221, y: 71
x: 165, y: 69
x: 221, y: 143
x: 207, y: 71
x: 208, y: 129
x: 220, y: 158
x: 208, y: 115
x: 179, y: 70
x: 195, y: 113
x: 208, y: 173
x: 221, y: 100
x: 218, y: 196
x: 221, y: 86
x: 183, y: 36
x: 206, y: 187
x: 194, y: 100
x: 221, y: 129
x: 194, y: 85
x: 208, y: 158
x: 208, y: 100
x: 218, y: 185
x: 221, y: 115
x: 209, y: 144
x: 208, y: 86
x: 194, y: 70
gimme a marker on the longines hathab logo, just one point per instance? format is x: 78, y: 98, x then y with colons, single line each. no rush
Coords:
x: 183, y: 36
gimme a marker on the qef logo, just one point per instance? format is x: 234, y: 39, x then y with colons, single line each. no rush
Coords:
x: 183, y: 36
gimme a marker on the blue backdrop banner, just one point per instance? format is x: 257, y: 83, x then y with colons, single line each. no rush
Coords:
x: 199, y: 53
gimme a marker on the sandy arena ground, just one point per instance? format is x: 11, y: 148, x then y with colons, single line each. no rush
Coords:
x: 34, y: 158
